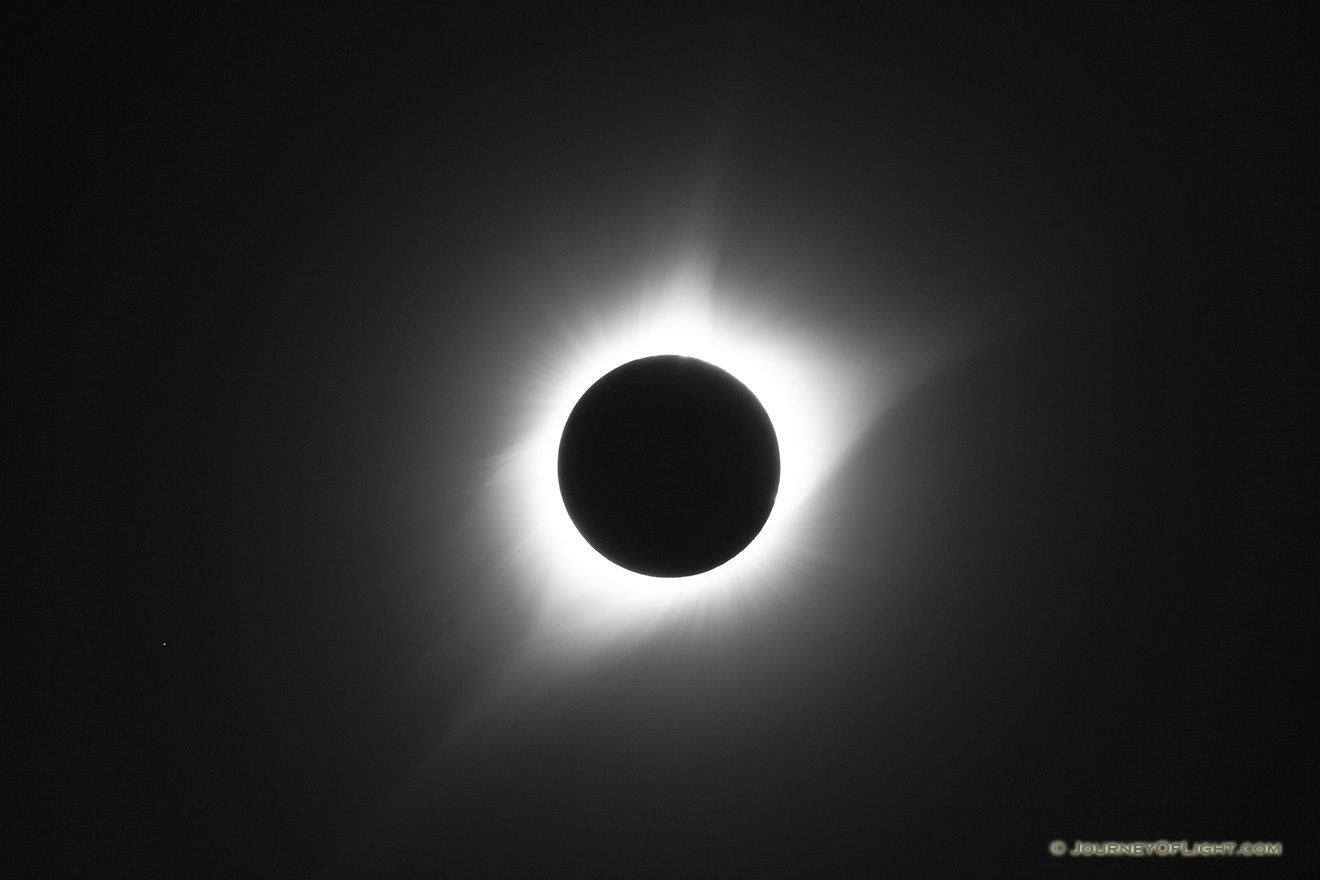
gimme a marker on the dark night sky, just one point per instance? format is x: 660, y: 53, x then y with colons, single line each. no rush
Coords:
x: 283, y: 270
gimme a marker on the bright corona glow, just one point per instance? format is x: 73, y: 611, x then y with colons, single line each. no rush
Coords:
x: 818, y: 396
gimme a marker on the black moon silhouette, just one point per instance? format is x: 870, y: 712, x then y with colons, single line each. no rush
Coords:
x: 669, y: 466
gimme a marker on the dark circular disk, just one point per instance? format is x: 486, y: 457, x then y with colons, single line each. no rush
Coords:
x: 668, y: 466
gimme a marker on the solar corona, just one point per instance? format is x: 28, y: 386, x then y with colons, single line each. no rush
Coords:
x: 669, y: 438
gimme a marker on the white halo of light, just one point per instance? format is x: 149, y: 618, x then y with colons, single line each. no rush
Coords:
x: 820, y: 398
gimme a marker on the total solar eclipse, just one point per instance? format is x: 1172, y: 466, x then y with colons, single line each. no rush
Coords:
x: 668, y: 466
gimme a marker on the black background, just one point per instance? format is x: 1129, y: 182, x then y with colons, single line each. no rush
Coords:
x: 275, y: 272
